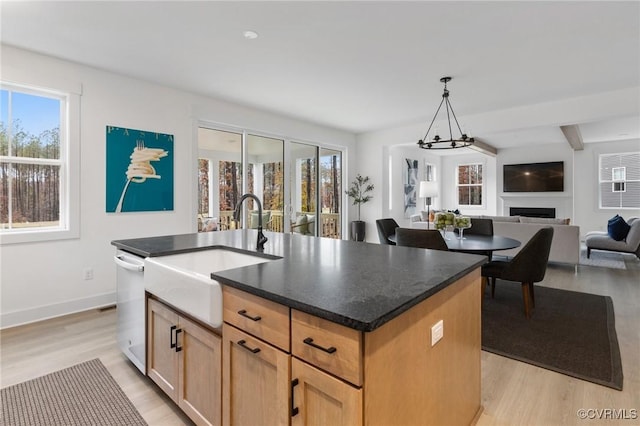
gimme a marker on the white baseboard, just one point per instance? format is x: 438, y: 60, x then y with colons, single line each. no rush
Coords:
x: 40, y: 313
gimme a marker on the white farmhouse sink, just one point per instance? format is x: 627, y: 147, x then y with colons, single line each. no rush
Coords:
x: 184, y: 280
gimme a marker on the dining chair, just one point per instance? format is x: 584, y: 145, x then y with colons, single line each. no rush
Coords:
x: 386, y: 228
x: 480, y: 227
x: 527, y: 267
x: 420, y: 238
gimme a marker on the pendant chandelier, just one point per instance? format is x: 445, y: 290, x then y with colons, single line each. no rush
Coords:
x: 437, y: 142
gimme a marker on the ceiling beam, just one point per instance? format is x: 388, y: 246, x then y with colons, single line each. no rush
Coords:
x: 574, y: 137
x: 483, y: 148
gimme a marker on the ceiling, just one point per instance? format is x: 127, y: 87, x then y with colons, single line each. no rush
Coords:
x: 358, y: 66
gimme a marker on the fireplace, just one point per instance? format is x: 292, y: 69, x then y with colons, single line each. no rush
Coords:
x: 547, y: 212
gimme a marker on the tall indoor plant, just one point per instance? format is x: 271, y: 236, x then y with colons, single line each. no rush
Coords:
x: 358, y: 192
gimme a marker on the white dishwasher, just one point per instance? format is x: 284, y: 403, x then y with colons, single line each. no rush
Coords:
x: 131, y: 307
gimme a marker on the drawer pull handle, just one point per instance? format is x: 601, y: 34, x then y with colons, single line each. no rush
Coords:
x: 172, y: 342
x: 242, y: 343
x: 294, y: 410
x: 244, y: 314
x: 178, y: 348
x: 309, y: 341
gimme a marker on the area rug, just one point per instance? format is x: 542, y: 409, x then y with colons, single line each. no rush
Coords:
x: 602, y: 259
x: 84, y: 394
x: 569, y: 332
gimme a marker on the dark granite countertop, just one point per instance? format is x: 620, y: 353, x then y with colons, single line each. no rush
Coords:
x: 356, y: 284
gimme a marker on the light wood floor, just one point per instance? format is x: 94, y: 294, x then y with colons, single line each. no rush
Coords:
x: 513, y: 393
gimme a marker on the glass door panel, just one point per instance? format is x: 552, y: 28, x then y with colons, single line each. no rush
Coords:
x: 330, y: 193
x: 265, y: 179
x: 219, y: 177
x: 303, y: 160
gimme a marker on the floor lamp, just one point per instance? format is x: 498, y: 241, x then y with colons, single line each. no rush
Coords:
x: 428, y: 190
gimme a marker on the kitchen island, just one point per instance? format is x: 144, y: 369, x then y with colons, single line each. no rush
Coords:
x: 364, y: 318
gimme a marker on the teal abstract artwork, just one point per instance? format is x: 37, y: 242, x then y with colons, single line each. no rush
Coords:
x: 139, y: 171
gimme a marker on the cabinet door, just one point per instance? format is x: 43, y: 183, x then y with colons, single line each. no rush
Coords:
x: 255, y: 381
x: 321, y: 399
x: 200, y: 366
x: 162, y: 358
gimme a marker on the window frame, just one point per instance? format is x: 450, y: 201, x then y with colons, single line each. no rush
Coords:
x: 468, y: 185
x: 619, y: 184
x: 69, y: 163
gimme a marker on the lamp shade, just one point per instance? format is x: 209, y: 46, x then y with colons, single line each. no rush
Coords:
x: 428, y: 189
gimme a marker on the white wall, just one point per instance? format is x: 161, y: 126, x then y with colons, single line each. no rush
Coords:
x: 395, y: 179
x: 375, y: 147
x: 587, y: 213
x: 40, y: 280
x: 538, y: 153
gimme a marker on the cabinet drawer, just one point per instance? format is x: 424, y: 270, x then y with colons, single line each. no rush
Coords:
x: 262, y: 318
x: 327, y: 345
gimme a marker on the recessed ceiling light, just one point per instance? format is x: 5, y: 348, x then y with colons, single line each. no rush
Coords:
x: 250, y: 35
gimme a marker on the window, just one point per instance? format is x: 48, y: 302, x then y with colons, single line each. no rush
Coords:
x: 619, y: 180
x: 429, y: 172
x: 37, y: 195
x: 469, y: 185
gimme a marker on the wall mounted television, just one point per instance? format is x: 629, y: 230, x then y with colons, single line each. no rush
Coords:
x: 534, y: 177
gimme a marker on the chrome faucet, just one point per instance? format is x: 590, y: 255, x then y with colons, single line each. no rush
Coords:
x: 236, y: 216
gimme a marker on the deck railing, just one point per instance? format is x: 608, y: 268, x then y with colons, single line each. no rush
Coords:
x: 329, y: 222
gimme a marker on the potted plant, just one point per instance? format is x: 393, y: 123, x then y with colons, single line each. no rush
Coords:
x: 358, y: 192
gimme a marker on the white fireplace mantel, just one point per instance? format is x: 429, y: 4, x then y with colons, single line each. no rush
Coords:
x: 563, y: 203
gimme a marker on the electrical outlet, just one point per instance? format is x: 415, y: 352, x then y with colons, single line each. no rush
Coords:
x: 87, y: 273
x: 437, y: 332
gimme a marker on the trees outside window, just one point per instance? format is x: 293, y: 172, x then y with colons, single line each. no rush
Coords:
x: 469, y: 185
x: 32, y: 164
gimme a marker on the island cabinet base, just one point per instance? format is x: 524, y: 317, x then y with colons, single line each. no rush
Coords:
x: 407, y: 381
x: 184, y: 360
x: 336, y: 375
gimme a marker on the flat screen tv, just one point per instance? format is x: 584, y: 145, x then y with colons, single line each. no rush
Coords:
x: 534, y: 177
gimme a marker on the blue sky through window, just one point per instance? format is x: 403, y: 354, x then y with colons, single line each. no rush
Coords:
x: 36, y: 113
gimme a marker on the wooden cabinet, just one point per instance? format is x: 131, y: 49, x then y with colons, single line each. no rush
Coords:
x: 335, y: 375
x: 185, y: 361
x: 255, y: 381
x: 321, y: 399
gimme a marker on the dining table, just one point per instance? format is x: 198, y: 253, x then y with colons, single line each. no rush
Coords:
x: 477, y: 244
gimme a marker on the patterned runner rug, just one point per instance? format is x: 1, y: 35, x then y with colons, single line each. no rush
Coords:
x: 84, y: 394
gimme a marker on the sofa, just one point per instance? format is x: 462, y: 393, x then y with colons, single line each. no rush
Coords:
x: 565, y: 246
x: 600, y: 240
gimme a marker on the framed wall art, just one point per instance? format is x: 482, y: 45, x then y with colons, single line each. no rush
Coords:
x: 139, y: 171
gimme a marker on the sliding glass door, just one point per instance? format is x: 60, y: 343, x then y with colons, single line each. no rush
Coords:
x: 331, y: 193
x: 265, y: 179
x: 299, y: 184
x: 219, y: 177
x: 303, y: 167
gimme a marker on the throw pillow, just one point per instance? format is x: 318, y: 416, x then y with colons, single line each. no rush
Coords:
x: 254, y: 219
x: 617, y: 228
x: 424, y: 216
x: 311, y: 225
x: 301, y: 224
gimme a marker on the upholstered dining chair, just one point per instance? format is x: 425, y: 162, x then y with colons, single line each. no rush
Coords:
x: 386, y: 228
x: 420, y: 238
x: 527, y: 267
x: 480, y: 227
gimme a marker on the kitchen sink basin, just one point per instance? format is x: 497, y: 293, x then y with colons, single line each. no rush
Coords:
x: 184, y: 280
